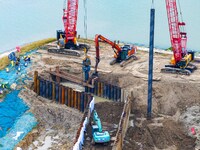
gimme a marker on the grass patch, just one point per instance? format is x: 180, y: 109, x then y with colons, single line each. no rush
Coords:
x: 24, y: 49
x: 4, y: 62
x: 35, y: 45
x: 169, y: 49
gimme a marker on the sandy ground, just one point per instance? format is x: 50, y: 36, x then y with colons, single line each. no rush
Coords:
x: 173, y: 96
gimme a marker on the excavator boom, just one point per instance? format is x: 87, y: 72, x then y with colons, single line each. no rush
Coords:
x: 123, y: 55
x: 99, y: 37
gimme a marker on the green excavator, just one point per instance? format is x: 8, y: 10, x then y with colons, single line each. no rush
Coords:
x: 98, y: 135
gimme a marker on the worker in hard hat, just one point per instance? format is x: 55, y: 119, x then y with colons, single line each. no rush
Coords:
x: 12, y: 63
x: 7, y: 70
x: 27, y: 58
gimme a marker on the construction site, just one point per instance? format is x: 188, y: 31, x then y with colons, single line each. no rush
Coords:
x: 99, y: 94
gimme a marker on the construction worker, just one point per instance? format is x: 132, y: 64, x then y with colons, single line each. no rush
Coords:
x: 7, y: 70
x: 12, y: 63
x: 27, y: 58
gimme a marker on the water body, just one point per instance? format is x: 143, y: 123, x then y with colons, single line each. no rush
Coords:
x: 23, y: 21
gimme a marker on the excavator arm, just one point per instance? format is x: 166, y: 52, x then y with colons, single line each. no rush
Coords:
x: 98, y: 38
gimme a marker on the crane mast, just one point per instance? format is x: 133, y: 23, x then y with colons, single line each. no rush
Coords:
x: 70, y: 20
x: 178, y: 38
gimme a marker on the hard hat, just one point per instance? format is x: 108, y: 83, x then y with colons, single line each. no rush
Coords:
x: 18, y: 48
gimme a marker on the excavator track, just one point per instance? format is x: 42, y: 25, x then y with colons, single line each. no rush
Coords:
x: 129, y: 60
x: 113, y: 61
x: 174, y: 70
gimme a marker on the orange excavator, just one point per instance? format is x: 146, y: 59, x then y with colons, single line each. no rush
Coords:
x: 122, y: 55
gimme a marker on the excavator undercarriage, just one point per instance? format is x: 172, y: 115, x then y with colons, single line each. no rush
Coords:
x: 124, y: 62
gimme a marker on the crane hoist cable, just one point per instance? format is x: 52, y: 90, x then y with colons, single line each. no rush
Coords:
x: 85, y: 19
x: 152, y: 4
x: 181, y: 15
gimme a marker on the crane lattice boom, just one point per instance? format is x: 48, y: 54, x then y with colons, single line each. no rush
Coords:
x: 70, y: 19
x: 178, y: 38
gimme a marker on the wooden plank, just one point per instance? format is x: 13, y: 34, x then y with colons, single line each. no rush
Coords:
x: 71, y: 78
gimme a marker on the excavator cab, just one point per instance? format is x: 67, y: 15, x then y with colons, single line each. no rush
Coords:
x: 127, y: 51
x: 123, y: 55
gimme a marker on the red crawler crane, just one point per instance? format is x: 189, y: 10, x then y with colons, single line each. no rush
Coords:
x: 67, y: 39
x: 180, y: 62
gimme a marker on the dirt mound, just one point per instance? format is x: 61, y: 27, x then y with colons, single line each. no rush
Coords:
x: 110, y: 112
x: 166, y: 134
x: 171, y: 96
x: 191, y: 119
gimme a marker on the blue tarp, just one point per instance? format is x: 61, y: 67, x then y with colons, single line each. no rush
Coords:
x: 20, y: 129
x: 14, y: 122
x: 11, y: 108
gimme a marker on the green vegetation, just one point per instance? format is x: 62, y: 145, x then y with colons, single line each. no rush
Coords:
x: 169, y: 49
x: 5, y: 61
x: 35, y: 45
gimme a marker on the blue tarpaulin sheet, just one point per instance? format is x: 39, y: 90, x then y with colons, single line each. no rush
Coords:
x: 11, y: 108
x: 15, y: 123
x: 20, y: 129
